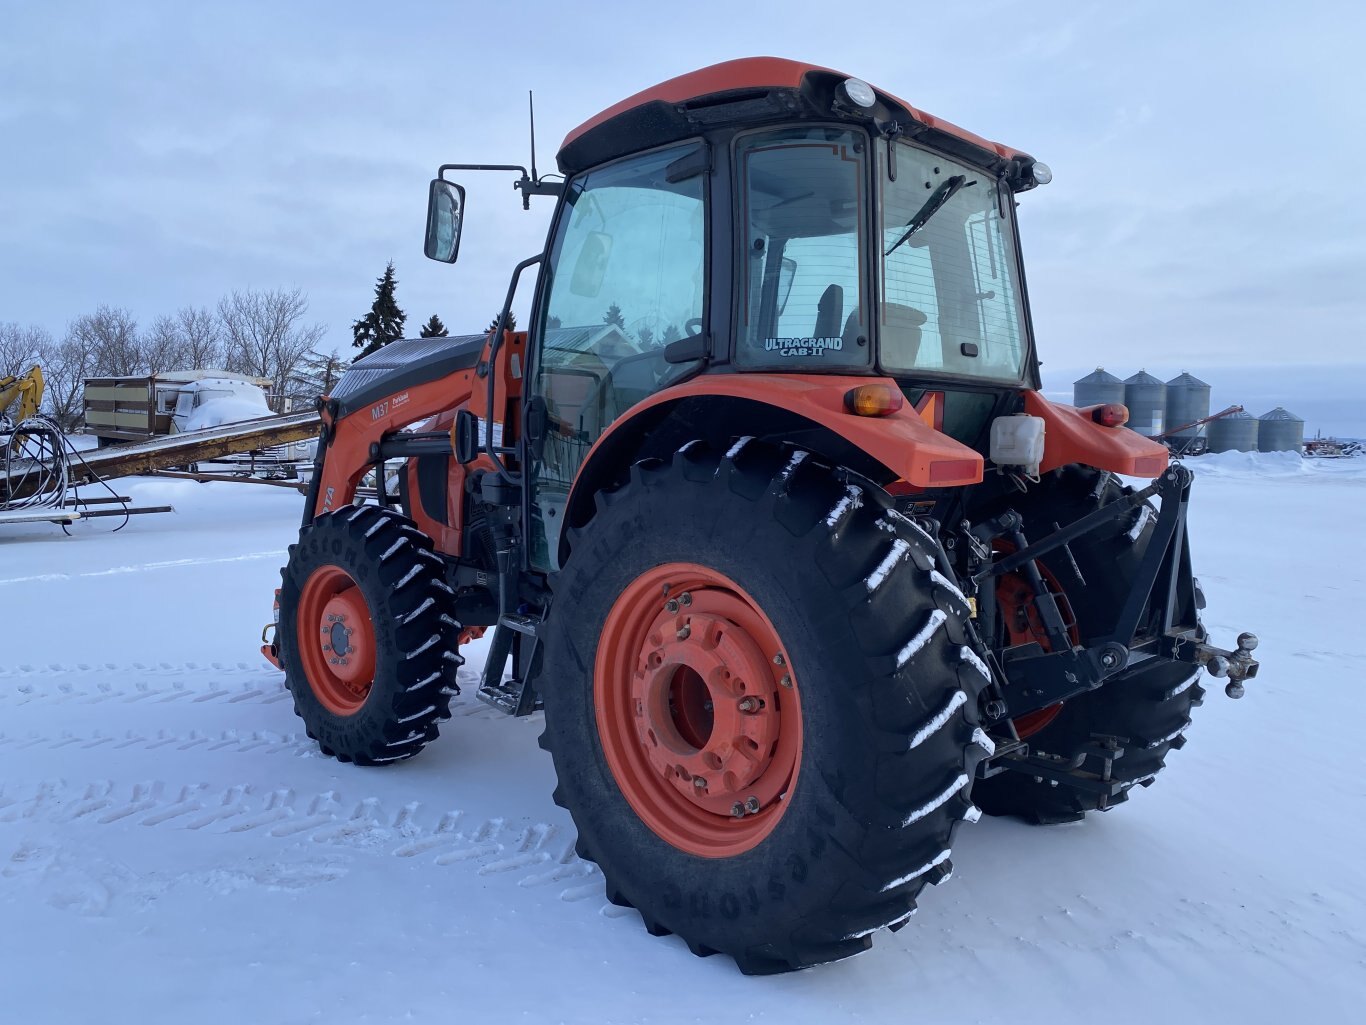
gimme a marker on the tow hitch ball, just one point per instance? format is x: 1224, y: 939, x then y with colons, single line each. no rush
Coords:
x: 1236, y: 666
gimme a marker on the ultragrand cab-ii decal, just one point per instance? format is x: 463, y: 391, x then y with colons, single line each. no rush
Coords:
x: 813, y: 346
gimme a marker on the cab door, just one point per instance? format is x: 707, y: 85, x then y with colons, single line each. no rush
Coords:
x: 626, y: 277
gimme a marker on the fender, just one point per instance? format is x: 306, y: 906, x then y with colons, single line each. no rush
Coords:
x: 1072, y: 436
x: 902, y: 441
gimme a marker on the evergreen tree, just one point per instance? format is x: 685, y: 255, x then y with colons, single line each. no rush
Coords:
x: 433, y: 328
x: 647, y: 337
x: 614, y: 316
x: 384, y: 323
x: 493, y: 324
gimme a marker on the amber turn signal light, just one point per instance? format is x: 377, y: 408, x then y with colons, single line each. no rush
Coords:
x: 873, y: 400
x: 1112, y: 414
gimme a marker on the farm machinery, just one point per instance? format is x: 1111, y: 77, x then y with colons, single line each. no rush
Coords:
x: 767, y: 514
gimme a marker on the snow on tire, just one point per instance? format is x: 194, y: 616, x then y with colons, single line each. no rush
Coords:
x: 863, y: 718
x: 369, y: 646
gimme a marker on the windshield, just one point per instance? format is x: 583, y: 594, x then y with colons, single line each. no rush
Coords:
x: 950, y: 282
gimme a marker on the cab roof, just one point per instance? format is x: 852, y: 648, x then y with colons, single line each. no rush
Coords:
x: 751, y: 90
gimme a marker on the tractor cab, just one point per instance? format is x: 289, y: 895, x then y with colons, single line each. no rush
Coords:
x: 771, y: 218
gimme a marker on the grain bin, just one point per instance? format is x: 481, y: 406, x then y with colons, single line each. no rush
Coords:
x: 1236, y: 432
x: 1280, y: 431
x: 1146, y: 398
x: 1187, y: 401
x: 1097, y: 389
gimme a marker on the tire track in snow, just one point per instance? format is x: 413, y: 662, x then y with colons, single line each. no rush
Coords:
x: 533, y: 855
x: 190, y: 682
x: 187, y: 683
x: 231, y: 741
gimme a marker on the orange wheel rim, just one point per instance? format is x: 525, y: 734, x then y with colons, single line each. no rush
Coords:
x: 697, y: 708
x: 336, y: 640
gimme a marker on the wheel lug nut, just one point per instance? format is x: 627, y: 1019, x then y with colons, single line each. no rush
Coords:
x: 737, y: 810
x: 685, y: 632
x: 750, y: 705
x: 752, y: 805
x: 778, y: 659
x: 671, y: 605
x: 786, y: 681
x: 699, y: 782
x: 685, y: 598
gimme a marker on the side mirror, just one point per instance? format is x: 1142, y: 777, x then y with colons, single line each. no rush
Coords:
x: 445, y: 205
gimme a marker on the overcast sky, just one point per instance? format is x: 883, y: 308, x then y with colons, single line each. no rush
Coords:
x: 1207, y: 156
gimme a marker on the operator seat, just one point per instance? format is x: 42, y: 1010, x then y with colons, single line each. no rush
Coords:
x: 829, y: 312
x: 901, y: 334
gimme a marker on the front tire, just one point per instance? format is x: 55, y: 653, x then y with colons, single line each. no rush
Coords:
x: 369, y: 650
x: 814, y: 636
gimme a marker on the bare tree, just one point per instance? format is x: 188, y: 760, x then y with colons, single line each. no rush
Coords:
x: 20, y: 347
x: 264, y: 337
x: 202, y: 335
x: 163, y: 347
x: 66, y: 365
x: 110, y: 338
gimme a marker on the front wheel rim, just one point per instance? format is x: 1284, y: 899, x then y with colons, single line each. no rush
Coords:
x: 336, y: 640
x: 697, y: 709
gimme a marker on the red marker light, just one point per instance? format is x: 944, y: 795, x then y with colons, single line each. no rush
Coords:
x: 1112, y: 414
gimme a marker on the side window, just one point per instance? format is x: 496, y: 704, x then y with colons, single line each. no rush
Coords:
x: 995, y: 295
x: 628, y: 270
x: 803, y: 211
x: 628, y: 280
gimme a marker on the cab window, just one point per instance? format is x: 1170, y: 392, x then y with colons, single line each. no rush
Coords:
x: 627, y: 277
x: 803, y: 208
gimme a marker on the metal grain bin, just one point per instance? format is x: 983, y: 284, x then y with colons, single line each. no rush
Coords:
x: 1236, y: 432
x: 1097, y: 389
x: 1280, y: 431
x: 1146, y: 398
x: 1187, y: 401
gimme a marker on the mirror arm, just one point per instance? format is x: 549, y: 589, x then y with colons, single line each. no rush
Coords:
x: 526, y: 184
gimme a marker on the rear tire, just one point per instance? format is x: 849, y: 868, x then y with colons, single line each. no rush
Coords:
x: 1148, y: 707
x: 369, y: 649
x: 880, y: 705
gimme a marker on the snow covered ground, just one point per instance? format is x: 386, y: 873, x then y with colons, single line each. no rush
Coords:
x: 174, y: 849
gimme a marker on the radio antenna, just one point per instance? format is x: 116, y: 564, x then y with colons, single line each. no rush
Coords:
x: 531, y: 106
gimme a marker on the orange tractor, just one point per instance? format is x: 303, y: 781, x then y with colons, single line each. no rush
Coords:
x: 765, y: 511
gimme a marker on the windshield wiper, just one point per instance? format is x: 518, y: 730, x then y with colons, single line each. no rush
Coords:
x: 946, y: 190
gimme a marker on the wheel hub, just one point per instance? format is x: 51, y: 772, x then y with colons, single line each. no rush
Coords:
x: 343, y: 648
x: 697, y: 709
x: 705, y: 709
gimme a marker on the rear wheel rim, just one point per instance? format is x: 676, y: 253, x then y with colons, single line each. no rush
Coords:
x: 1014, y: 595
x: 336, y: 640
x: 697, y: 710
